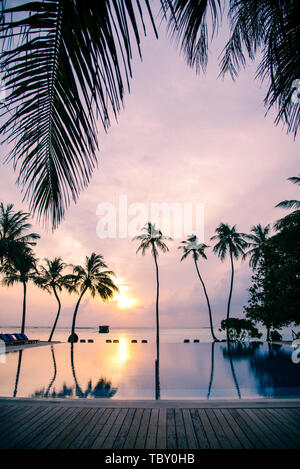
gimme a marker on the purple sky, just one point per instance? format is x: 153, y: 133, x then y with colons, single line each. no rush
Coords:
x: 181, y: 138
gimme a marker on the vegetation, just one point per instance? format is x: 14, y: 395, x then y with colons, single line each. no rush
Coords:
x: 191, y: 246
x: 51, y: 109
x: 240, y: 329
x: 50, y: 278
x: 232, y: 242
x: 153, y: 239
x: 275, y: 289
x: 91, y: 278
x: 274, y: 294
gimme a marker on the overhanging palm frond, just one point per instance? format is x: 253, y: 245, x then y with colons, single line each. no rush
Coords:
x: 187, y: 23
x: 273, y: 28
x: 64, y: 64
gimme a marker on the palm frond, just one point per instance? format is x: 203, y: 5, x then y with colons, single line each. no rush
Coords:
x: 273, y: 29
x: 188, y: 26
x: 64, y: 65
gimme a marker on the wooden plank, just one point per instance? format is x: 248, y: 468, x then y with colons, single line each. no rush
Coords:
x: 55, y: 430
x: 111, y: 437
x: 189, y: 429
x: 142, y: 434
x: 220, y: 434
x: 171, y: 430
x: 200, y: 433
x: 242, y: 437
x: 105, y: 429
x: 285, y: 420
x: 17, y: 418
x: 180, y: 430
x: 289, y: 416
x: 18, y: 432
x: 6, y: 410
x: 209, y: 430
x: 85, y: 431
x: 262, y: 437
x: 161, y: 438
x: 280, y: 429
x: 102, y: 418
x: 122, y: 435
x: 77, y: 426
x: 37, y: 426
x: 152, y: 430
x: 228, y: 431
x: 257, y: 417
x: 134, y: 428
x: 250, y: 434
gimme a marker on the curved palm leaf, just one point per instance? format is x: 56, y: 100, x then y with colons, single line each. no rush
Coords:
x: 187, y: 24
x: 272, y: 28
x: 64, y: 64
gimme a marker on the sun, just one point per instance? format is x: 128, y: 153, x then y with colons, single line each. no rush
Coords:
x: 124, y: 298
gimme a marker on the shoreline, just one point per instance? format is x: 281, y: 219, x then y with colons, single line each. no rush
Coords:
x: 17, y: 348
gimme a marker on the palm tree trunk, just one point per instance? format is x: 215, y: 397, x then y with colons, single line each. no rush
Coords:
x: 230, y: 294
x: 232, y: 371
x: 157, y: 382
x: 212, y: 368
x: 75, y: 314
x: 18, y: 373
x: 208, y: 303
x: 57, y: 315
x: 54, y: 374
x: 24, y: 309
x: 78, y: 390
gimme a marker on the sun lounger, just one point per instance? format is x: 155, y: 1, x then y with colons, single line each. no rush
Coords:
x: 10, y: 340
x: 25, y: 338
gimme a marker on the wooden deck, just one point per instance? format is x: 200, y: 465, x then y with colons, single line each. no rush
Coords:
x: 28, y: 424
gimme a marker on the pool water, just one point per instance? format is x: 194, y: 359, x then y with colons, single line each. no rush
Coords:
x: 127, y: 370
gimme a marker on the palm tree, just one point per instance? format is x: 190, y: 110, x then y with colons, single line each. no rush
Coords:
x: 257, y: 243
x: 50, y: 278
x: 21, y: 270
x: 91, y: 278
x: 152, y: 238
x: 229, y: 240
x: 14, y: 228
x: 293, y: 217
x: 191, y: 246
x: 59, y: 78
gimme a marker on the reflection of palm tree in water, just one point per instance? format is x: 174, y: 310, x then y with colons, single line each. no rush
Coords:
x: 55, y: 371
x: 233, y: 371
x: 18, y: 373
x: 157, y: 381
x: 102, y: 389
x: 212, y: 366
x: 229, y: 356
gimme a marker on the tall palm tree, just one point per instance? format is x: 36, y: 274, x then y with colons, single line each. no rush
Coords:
x: 293, y: 217
x: 14, y: 227
x: 59, y: 78
x: 153, y: 239
x: 191, y: 246
x: 91, y: 278
x: 21, y: 270
x: 257, y: 244
x: 50, y: 278
x: 234, y: 243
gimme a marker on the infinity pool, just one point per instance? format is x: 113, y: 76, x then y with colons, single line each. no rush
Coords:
x: 126, y: 370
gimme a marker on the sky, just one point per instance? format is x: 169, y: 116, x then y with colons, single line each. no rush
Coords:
x: 181, y: 138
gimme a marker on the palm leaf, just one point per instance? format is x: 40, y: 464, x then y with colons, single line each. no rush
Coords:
x: 64, y: 64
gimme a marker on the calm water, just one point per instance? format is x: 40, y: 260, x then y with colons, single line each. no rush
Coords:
x: 126, y: 370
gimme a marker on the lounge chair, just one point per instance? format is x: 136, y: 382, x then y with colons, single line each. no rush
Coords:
x: 25, y: 338
x: 10, y: 340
